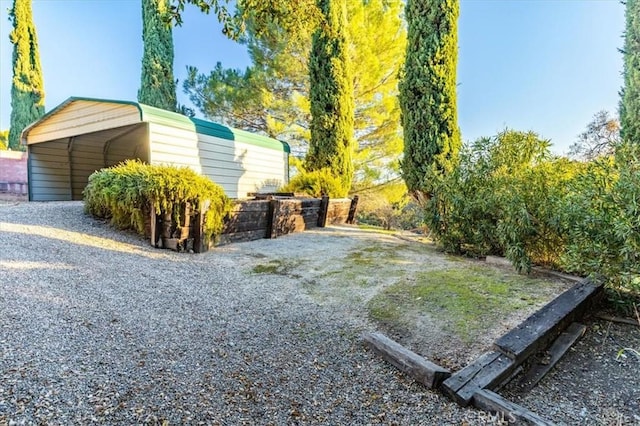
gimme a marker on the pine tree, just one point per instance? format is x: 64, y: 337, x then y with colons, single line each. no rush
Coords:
x: 630, y: 95
x: 271, y: 96
x: 158, y: 86
x: 428, y: 92
x: 331, y: 96
x: 27, y: 90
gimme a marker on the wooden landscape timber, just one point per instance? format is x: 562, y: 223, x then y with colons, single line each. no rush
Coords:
x: 476, y: 382
x: 546, y: 324
x: 555, y: 352
x: 488, y: 371
x: 267, y: 216
x: 422, y: 370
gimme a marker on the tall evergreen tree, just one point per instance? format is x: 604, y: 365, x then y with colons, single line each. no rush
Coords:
x: 428, y: 92
x: 158, y: 86
x: 272, y: 95
x: 331, y: 96
x: 630, y: 95
x: 27, y: 90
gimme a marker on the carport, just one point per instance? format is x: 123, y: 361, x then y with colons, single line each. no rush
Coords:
x: 83, y: 135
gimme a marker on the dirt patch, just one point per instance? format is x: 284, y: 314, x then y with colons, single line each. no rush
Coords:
x: 448, y: 309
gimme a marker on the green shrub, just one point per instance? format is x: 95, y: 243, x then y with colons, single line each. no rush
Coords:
x: 316, y: 183
x: 389, y: 206
x: 502, y: 199
x: 125, y: 194
x: 602, y: 219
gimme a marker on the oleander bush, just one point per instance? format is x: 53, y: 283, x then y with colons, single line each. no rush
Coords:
x: 501, y: 199
x: 509, y: 196
x: 602, y: 220
x: 126, y: 192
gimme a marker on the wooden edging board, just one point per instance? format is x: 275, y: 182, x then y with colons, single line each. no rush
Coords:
x: 422, y: 370
x: 556, y: 351
x: 488, y: 371
x: 547, y: 323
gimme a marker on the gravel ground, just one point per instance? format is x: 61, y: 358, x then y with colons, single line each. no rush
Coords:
x: 96, y: 327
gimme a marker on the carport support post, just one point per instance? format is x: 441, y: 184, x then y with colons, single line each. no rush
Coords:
x: 323, y: 212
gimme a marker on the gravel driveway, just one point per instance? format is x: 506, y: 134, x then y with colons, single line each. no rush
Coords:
x: 98, y: 327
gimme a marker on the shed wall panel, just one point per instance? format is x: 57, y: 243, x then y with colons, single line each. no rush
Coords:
x: 173, y: 146
x: 241, y: 168
x: 131, y: 145
x: 86, y: 158
x: 49, y: 177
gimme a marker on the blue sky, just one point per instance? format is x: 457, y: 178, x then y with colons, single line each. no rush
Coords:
x: 541, y: 65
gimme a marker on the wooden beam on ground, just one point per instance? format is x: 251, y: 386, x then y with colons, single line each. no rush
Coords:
x: 422, y: 370
x: 556, y: 351
x: 488, y: 371
x: 546, y: 324
x: 507, y: 411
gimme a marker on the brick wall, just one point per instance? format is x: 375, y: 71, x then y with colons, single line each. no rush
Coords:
x: 13, y: 172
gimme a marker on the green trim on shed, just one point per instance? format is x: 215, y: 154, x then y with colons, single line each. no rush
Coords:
x: 218, y: 130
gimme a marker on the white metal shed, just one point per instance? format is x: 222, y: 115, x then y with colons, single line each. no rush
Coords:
x: 83, y: 135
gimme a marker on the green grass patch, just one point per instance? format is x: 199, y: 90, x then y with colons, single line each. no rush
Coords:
x: 275, y: 267
x: 466, y: 299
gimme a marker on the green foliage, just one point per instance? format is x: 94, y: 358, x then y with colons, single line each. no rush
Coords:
x: 602, y: 219
x: 291, y: 16
x: 272, y: 95
x: 508, y: 196
x: 502, y: 198
x: 316, y: 183
x: 27, y: 89
x: 157, y: 84
x: 389, y: 206
x: 4, y: 140
x: 630, y: 94
x: 125, y: 194
x: 331, y: 96
x: 428, y: 93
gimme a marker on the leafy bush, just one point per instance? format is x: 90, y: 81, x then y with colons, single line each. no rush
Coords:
x: 501, y: 199
x: 602, y: 219
x: 389, y: 206
x: 125, y: 194
x: 316, y: 183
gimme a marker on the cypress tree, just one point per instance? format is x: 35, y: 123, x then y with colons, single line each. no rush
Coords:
x: 630, y: 94
x: 331, y: 96
x: 157, y: 87
x: 27, y: 89
x: 428, y: 92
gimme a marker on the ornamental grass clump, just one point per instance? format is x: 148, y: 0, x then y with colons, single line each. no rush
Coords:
x: 126, y: 193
